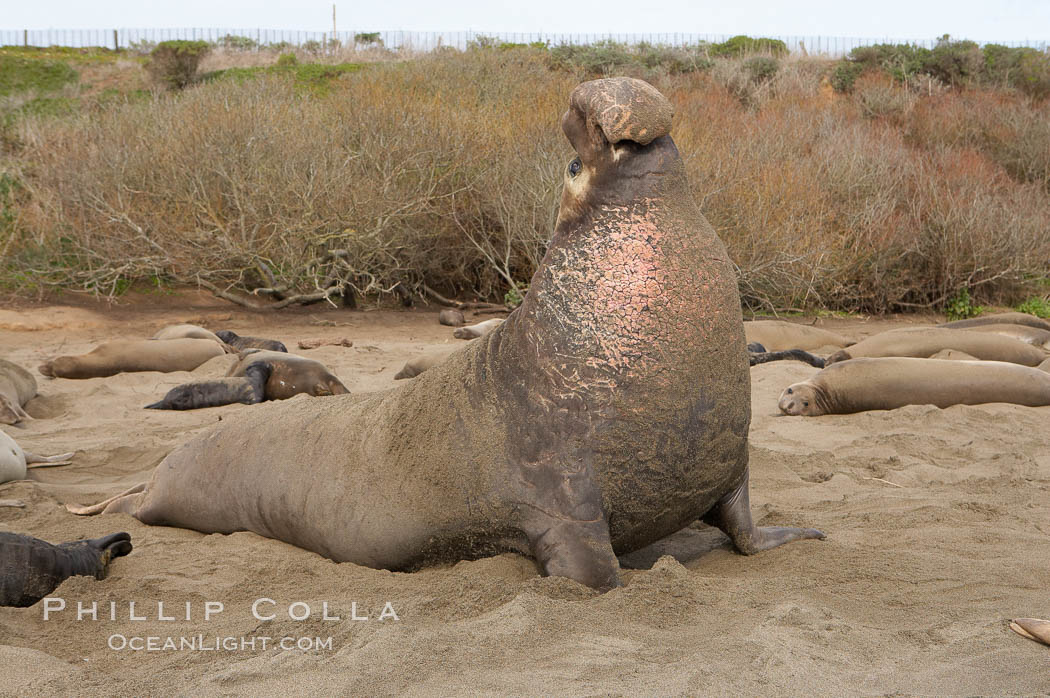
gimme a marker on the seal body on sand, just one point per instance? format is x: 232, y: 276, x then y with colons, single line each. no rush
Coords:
x: 610, y: 410
x: 123, y: 356
x: 31, y: 568
x: 1001, y: 318
x: 478, y: 330
x: 258, y: 375
x: 186, y: 332
x: 777, y: 335
x: 859, y: 385
x: 452, y: 317
x: 413, y: 367
x: 17, y: 387
x: 927, y: 341
x: 14, y: 462
x: 241, y: 343
x: 1028, y: 335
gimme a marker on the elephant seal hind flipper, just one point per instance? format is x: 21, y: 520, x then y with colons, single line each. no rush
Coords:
x: 1032, y: 628
x: 241, y: 343
x: 478, y: 330
x: 31, y: 568
x: 610, y: 410
x: 17, y: 388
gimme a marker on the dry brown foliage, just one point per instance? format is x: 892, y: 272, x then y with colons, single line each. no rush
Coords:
x: 444, y: 173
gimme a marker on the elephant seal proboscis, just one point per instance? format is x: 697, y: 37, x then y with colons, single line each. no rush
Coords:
x: 17, y: 387
x: 924, y: 342
x: 129, y: 355
x: 859, y: 385
x: 258, y: 375
x: 1033, y: 628
x: 14, y: 461
x: 1001, y: 318
x: 31, y: 568
x: 241, y: 343
x: 479, y: 330
x: 452, y: 317
x: 1025, y: 333
x: 778, y: 335
x: 610, y: 410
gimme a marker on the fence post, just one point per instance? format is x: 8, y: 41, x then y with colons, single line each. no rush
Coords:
x: 25, y: 37
x: 116, y: 43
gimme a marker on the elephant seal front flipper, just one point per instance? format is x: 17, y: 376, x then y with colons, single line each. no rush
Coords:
x: 31, y: 568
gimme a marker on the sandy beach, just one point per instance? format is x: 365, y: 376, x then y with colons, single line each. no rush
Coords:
x: 937, y: 523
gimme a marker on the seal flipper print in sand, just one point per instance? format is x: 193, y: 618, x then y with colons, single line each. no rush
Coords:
x: 610, y: 410
x: 31, y: 568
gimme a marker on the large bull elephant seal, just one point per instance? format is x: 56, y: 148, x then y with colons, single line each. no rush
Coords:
x: 926, y: 341
x: 859, y: 385
x: 31, y: 568
x: 1001, y: 318
x: 125, y: 355
x: 610, y: 410
x: 17, y: 387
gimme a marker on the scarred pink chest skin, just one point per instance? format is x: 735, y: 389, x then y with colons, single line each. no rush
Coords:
x: 628, y: 356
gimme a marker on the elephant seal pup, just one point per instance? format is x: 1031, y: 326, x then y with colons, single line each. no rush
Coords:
x: 413, y: 367
x: 213, y: 393
x: 1029, y: 335
x: 860, y: 385
x: 777, y: 335
x: 479, y: 330
x: 14, y: 462
x: 927, y: 341
x: 761, y: 357
x: 126, y: 355
x: 17, y: 387
x: 610, y: 410
x: 241, y: 343
x: 31, y: 568
x: 1000, y: 318
x: 452, y: 317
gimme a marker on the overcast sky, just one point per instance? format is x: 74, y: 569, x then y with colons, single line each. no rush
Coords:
x: 1010, y: 20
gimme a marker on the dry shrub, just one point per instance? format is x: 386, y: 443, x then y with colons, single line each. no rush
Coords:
x: 445, y: 172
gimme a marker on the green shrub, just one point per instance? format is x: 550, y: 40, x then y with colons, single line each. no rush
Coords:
x: 286, y: 60
x: 954, y: 62
x: 961, y: 307
x: 845, y: 75
x: 761, y: 68
x: 739, y: 45
x: 238, y: 43
x: 368, y: 38
x: 1036, y: 306
x: 174, y: 63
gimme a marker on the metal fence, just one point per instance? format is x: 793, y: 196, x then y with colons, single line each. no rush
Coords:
x: 428, y: 41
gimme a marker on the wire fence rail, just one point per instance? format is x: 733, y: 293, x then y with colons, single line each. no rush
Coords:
x: 420, y: 41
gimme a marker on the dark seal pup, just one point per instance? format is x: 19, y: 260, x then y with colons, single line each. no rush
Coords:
x: 31, y: 568
x: 257, y: 376
x: 610, y: 410
x: 241, y: 343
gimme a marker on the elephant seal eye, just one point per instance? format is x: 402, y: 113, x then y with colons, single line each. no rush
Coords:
x: 805, y: 403
x: 790, y: 391
x: 574, y: 167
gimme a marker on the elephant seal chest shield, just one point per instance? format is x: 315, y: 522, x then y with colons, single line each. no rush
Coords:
x: 609, y: 410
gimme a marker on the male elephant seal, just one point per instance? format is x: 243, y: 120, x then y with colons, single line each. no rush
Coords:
x: 859, y: 385
x: 1001, y: 318
x: 31, y: 568
x: 926, y: 341
x: 777, y: 335
x: 1029, y: 335
x: 241, y: 343
x: 479, y: 330
x: 14, y: 462
x: 134, y: 355
x: 610, y: 410
x: 257, y: 376
x: 17, y: 387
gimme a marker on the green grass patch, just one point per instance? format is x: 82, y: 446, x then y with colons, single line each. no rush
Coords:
x: 87, y: 54
x: 43, y: 75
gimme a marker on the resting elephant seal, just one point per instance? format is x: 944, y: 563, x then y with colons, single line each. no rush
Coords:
x: 777, y: 335
x: 1001, y: 318
x: 610, y: 410
x: 452, y: 317
x: 134, y: 355
x: 479, y: 330
x: 258, y: 375
x: 14, y: 462
x: 1029, y: 335
x: 927, y: 341
x: 17, y: 387
x: 241, y: 343
x: 888, y: 383
x: 413, y: 367
x: 186, y: 332
x: 31, y: 568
